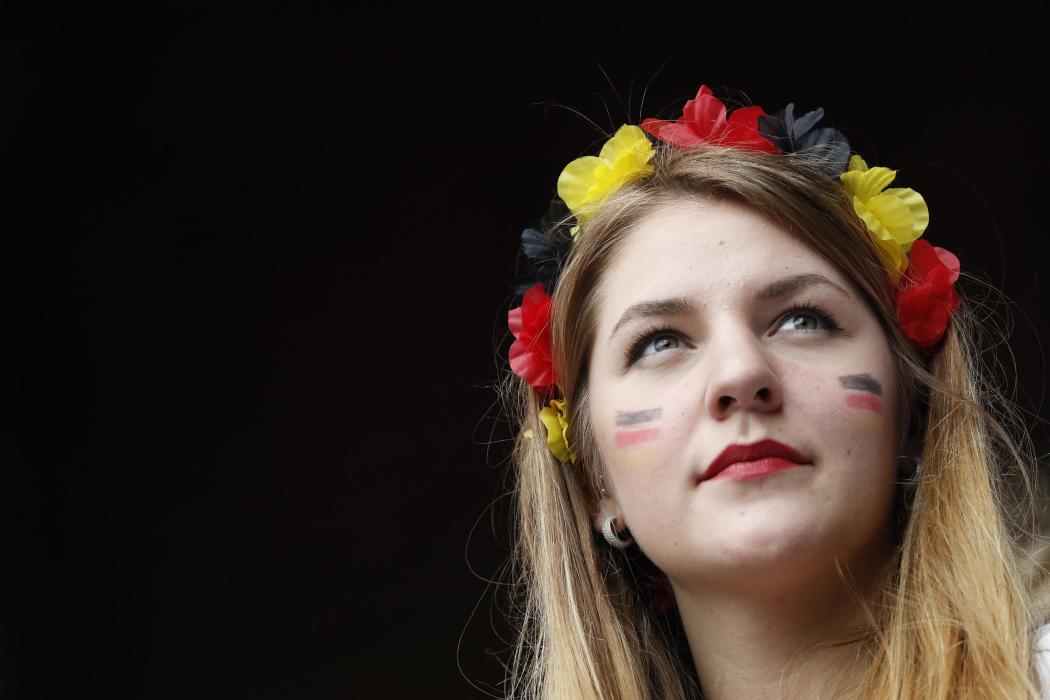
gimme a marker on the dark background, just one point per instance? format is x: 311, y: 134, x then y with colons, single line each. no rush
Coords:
x: 254, y: 298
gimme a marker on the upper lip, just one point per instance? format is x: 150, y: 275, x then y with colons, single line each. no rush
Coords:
x: 749, y: 453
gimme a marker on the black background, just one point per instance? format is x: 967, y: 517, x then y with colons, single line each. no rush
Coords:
x: 255, y: 275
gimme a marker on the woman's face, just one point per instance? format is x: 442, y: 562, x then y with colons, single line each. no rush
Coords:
x: 743, y: 334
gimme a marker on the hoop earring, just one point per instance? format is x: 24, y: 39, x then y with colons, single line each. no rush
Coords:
x: 612, y: 538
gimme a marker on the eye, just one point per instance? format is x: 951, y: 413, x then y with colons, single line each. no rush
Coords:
x: 660, y: 339
x: 806, y: 317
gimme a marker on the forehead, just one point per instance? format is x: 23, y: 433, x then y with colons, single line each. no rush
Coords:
x: 712, y: 251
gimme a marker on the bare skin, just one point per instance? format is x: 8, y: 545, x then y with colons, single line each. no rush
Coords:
x: 751, y: 562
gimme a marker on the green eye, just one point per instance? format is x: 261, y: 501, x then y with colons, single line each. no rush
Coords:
x: 659, y: 344
x: 644, y: 340
x: 802, y: 326
x: 818, y: 317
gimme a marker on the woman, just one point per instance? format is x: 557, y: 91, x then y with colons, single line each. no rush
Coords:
x: 758, y: 457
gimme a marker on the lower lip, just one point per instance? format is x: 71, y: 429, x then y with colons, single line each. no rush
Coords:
x: 754, y: 470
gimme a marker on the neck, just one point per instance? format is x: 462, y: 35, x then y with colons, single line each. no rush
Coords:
x: 770, y: 635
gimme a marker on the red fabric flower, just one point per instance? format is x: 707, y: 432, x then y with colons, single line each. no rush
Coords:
x: 926, y: 297
x: 704, y: 121
x: 530, y: 354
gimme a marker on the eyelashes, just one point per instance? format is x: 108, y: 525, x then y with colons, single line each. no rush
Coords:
x: 806, y: 308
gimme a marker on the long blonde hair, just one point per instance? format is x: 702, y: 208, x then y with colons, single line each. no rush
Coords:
x: 955, y: 607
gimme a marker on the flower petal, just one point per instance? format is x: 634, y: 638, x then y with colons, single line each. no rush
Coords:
x: 806, y: 122
x: 575, y: 184
x: 514, y: 321
x: 894, y: 255
x: 779, y: 127
x: 950, y: 261
x: 553, y: 418
x: 587, y: 181
x: 793, y: 135
x: 742, y: 130
x: 705, y: 112
x: 680, y: 135
x: 927, y: 296
x: 530, y: 354
x: 833, y: 145
x: 918, y: 218
x: 703, y: 119
x: 864, y: 182
x: 924, y: 319
x: 903, y: 214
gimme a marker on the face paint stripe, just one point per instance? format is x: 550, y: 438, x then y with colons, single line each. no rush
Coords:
x: 626, y: 438
x: 864, y: 419
x: 635, y: 417
x: 864, y: 402
x: 861, y: 382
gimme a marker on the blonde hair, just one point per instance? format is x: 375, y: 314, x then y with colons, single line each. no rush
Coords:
x: 955, y: 607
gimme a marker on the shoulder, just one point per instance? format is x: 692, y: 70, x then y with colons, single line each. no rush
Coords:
x: 1042, y: 658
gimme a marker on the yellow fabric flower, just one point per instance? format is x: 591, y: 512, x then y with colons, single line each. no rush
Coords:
x: 587, y: 181
x: 895, y: 217
x: 553, y: 416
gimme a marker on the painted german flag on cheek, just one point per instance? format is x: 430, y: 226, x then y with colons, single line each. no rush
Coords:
x: 865, y: 392
x: 635, y: 427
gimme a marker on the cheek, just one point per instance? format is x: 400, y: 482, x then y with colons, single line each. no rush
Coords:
x: 638, y: 436
x: 863, y: 399
x: 846, y: 410
x: 637, y: 427
x: 849, y: 412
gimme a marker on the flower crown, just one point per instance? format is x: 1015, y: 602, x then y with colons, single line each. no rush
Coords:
x: 924, y: 275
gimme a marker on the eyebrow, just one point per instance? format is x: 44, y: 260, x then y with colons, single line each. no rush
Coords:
x: 681, y: 306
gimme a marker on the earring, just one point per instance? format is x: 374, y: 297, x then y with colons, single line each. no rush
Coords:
x: 612, y: 538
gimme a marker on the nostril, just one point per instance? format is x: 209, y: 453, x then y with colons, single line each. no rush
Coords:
x: 763, y: 394
x: 724, y: 402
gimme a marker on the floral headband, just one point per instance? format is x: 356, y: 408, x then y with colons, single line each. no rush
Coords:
x: 924, y: 275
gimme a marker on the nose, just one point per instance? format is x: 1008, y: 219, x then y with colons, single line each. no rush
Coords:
x: 740, y: 376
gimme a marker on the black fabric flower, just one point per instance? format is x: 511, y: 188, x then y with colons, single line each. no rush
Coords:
x: 792, y: 135
x: 545, y: 246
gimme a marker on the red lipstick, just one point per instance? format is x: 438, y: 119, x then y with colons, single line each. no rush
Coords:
x: 752, y: 461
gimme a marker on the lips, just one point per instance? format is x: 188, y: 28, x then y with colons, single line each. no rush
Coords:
x: 750, y: 453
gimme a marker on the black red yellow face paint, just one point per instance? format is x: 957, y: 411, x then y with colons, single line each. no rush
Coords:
x: 636, y: 427
x: 863, y: 392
